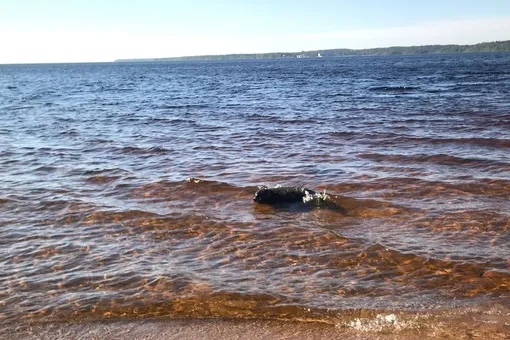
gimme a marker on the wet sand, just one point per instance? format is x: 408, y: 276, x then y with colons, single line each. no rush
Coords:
x: 491, y: 322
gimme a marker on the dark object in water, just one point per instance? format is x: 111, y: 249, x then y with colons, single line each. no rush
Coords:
x: 282, y: 195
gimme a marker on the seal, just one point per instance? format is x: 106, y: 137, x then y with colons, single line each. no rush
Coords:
x: 282, y: 195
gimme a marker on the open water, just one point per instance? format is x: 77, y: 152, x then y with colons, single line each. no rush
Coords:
x: 126, y: 188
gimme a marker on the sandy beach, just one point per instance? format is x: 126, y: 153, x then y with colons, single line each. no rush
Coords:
x: 487, y: 323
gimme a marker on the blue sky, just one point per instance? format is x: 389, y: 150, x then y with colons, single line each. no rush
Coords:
x: 59, y: 31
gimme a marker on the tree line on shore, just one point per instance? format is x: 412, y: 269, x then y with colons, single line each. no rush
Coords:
x: 494, y: 46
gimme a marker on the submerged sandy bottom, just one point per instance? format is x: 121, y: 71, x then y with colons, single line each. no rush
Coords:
x: 488, y: 323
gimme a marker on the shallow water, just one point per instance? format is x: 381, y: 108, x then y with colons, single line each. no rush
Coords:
x: 126, y: 189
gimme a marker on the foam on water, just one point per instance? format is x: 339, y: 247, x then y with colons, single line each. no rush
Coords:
x: 382, y: 322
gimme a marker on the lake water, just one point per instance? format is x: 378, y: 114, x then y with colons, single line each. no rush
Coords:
x: 126, y: 188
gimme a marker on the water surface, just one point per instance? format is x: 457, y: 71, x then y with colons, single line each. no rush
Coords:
x: 126, y: 189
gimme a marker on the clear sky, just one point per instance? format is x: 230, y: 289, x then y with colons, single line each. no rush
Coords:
x: 102, y: 30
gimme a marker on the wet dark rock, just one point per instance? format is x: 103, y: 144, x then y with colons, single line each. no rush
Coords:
x: 282, y: 195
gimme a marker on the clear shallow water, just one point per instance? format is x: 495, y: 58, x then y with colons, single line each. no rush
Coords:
x: 98, y: 219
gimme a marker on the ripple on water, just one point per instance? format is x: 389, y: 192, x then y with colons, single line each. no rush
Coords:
x: 97, y: 220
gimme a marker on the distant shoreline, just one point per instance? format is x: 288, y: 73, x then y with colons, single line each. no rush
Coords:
x: 494, y: 46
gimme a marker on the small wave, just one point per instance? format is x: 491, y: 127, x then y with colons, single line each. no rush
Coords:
x: 441, y: 159
x: 102, y: 179
x: 190, y: 189
x: 71, y: 132
x: 66, y: 119
x: 349, y: 134
x: 31, y: 97
x: 297, y: 121
x: 423, y: 188
x: 134, y: 150
x: 339, y: 94
x: 99, y: 172
x: 100, y: 141
x: 169, y: 120
x: 103, y: 88
x: 183, y: 106
x: 45, y: 168
x: 488, y: 142
x: 102, y: 217
x: 366, y: 208
x: 394, y: 88
x: 209, y: 185
x: 6, y: 154
x: 260, y: 116
x: 491, y: 221
x: 18, y: 108
x: 394, y: 138
x: 103, y: 176
x: 61, y: 205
